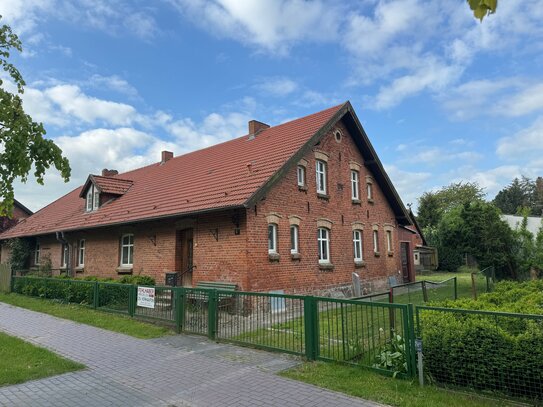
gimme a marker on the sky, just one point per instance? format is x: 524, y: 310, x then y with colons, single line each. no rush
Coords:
x: 442, y: 97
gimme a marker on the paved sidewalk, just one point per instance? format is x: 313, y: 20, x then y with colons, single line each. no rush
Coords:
x: 170, y: 371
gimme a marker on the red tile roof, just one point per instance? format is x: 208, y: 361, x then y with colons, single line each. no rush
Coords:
x: 212, y: 178
x: 108, y: 185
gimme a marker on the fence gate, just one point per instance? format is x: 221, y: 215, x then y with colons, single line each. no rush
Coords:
x: 5, y: 278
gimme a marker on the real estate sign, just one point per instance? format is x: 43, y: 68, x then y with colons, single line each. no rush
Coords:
x: 146, y: 297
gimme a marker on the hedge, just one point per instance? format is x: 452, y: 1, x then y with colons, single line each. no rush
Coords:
x: 488, y: 352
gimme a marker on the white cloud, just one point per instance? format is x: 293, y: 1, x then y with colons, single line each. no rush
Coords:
x: 437, y: 155
x: 61, y: 104
x: 410, y: 185
x: 273, y: 25
x: 527, y: 101
x: 526, y: 144
x: 278, y: 86
x: 113, y: 82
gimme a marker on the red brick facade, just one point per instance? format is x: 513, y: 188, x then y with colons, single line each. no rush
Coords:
x: 262, y: 182
x: 233, y: 245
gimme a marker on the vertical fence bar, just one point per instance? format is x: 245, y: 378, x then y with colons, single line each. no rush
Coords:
x: 132, y: 299
x: 95, y: 294
x: 177, y: 309
x: 424, y: 292
x: 311, y: 328
x: 212, y: 309
x: 410, y: 344
x: 455, y: 288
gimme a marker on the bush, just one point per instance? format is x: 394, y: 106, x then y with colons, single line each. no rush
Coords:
x: 137, y: 280
x: 489, y: 352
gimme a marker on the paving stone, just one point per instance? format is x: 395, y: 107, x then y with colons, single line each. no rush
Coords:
x: 174, y: 371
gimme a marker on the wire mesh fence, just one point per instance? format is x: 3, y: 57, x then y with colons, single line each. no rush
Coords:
x: 483, y: 281
x: 485, y: 351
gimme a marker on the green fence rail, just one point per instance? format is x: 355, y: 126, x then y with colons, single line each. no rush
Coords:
x: 421, y: 292
x: 350, y: 331
x: 488, y: 351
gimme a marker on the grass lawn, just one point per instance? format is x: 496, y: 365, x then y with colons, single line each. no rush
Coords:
x: 363, y: 383
x: 22, y: 361
x: 463, y: 280
x: 84, y: 315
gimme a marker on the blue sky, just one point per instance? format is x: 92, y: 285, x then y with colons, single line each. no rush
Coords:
x: 442, y: 97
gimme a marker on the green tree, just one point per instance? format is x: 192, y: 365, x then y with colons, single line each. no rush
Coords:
x: 477, y: 229
x: 523, y: 193
x: 22, y: 141
x: 433, y: 205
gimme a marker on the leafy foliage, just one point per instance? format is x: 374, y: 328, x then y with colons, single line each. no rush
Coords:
x: 520, y: 194
x: 22, y: 139
x: 488, y: 352
x: 392, y: 356
x: 482, y: 8
x: 433, y: 205
x: 20, y: 252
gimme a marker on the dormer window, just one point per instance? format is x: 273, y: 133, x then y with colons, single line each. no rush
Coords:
x: 93, y: 198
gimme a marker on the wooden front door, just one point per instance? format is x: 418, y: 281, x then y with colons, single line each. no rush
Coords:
x: 184, y: 256
x: 404, y: 255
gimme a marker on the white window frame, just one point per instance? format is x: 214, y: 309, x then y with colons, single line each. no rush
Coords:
x: 320, y: 172
x: 323, y: 240
x: 357, y: 243
x: 389, y: 241
x: 294, y: 239
x: 300, y: 174
x: 92, y: 201
x: 65, y: 253
x: 375, y: 241
x: 37, y: 253
x: 355, y: 185
x: 369, y: 190
x: 81, y: 253
x: 272, y: 238
x: 129, y: 245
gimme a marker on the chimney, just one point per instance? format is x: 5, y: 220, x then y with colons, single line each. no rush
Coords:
x: 109, y: 173
x: 166, y: 156
x: 256, y: 127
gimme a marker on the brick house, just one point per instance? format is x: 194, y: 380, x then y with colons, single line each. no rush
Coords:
x: 295, y: 207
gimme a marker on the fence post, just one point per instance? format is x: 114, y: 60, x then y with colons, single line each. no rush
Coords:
x: 179, y: 309
x: 132, y: 299
x: 473, y: 286
x: 409, y: 329
x: 212, y: 314
x: 311, y: 328
x: 424, y: 291
x: 95, y: 295
x: 455, y: 288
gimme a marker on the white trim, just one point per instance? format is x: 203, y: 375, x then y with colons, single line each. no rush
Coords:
x: 323, y: 241
x: 369, y: 190
x: 355, y: 185
x: 65, y: 253
x: 300, y: 175
x: 129, y: 245
x: 357, y: 243
x: 81, y: 253
x: 37, y: 253
x: 320, y: 172
x: 294, y: 239
x: 388, y: 234
x: 375, y: 241
x: 272, y: 238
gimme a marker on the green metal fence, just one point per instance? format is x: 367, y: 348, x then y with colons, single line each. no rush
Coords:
x: 421, y: 292
x: 484, y: 351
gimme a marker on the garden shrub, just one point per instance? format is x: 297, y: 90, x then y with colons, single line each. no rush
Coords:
x: 489, y: 352
x: 137, y: 280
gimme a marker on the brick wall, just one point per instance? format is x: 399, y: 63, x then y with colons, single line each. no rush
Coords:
x: 285, y: 199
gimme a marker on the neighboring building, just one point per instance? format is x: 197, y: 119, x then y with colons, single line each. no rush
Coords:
x: 18, y: 213
x: 533, y: 224
x: 295, y: 207
x: 424, y: 257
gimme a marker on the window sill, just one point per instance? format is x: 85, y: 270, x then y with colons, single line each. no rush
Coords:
x: 370, y: 200
x: 356, y: 202
x: 302, y: 188
x: 322, y: 196
x: 326, y: 266
x: 295, y: 256
x: 390, y: 254
x: 274, y: 257
x: 124, y: 270
x: 359, y: 264
x: 377, y: 254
